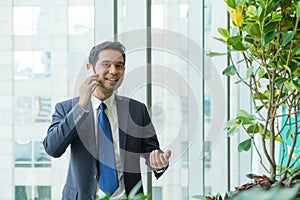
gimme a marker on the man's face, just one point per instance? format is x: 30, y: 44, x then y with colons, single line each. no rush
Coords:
x: 110, y: 69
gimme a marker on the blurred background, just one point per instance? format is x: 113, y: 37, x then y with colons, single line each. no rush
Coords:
x: 44, y: 45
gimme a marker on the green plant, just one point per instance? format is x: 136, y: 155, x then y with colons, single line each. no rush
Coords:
x: 275, y: 192
x: 133, y: 195
x: 265, y: 33
x: 214, y: 197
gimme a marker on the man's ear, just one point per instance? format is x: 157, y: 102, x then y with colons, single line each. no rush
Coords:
x: 88, y: 66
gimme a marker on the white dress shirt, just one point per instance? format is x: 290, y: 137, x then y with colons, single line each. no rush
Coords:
x: 111, y: 113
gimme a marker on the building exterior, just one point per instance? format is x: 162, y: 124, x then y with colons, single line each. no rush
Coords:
x: 44, y: 45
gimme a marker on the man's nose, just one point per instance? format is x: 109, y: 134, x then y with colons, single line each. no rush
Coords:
x: 113, y: 69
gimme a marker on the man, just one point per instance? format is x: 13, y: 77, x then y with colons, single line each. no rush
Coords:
x: 85, y: 123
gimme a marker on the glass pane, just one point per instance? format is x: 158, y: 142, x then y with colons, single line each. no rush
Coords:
x: 185, y: 155
x: 22, y: 152
x: 23, y: 109
x: 41, y: 158
x: 26, y: 20
x: 215, y: 141
x: 42, y: 109
x: 170, y: 95
x: 76, y: 61
x: 32, y: 109
x: 81, y: 20
x: 23, y: 192
x: 32, y: 64
x: 185, y: 193
x: 157, y: 193
x: 42, y: 193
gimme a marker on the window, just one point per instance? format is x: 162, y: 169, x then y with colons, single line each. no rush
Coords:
x: 157, y: 193
x: 32, y: 109
x: 31, y: 154
x: 32, y: 64
x: 207, y: 154
x: 185, y: 193
x: 81, y: 20
x: 23, y: 192
x: 185, y: 108
x: 26, y: 20
x: 185, y: 155
x: 207, y: 109
x: 23, y: 155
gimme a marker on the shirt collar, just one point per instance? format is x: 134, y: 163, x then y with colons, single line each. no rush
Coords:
x: 109, y: 102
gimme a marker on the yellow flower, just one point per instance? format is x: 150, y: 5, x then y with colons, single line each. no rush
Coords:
x: 237, y: 16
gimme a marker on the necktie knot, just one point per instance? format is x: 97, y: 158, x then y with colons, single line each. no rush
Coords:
x: 102, y: 106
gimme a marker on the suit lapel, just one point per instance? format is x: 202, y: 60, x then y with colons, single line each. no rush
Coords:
x: 91, y: 127
x: 123, y: 115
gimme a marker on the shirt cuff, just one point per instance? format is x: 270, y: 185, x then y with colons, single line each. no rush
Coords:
x: 160, y: 170
x: 78, y: 113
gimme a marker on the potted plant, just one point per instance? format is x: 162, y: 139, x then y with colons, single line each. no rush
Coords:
x: 266, y: 36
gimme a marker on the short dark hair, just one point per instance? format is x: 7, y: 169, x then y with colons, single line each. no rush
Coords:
x: 93, y: 57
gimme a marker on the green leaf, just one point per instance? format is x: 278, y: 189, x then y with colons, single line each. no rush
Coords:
x: 230, y: 123
x: 135, y: 190
x: 289, y: 85
x: 255, y: 31
x: 239, y: 81
x: 287, y: 38
x: 280, y: 80
x: 269, y: 37
x: 273, y: 64
x: 224, y: 32
x: 230, y: 70
x: 231, y: 4
x: 245, y: 117
x: 258, y: 84
x: 253, y: 128
x: 298, y: 9
x: 276, y: 16
x: 105, y: 198
x: 297, y: 48
x: 199, y: 197
x: 261, y: 96
x: 239, y: 46
x: 249, y: 39
x: 220, y: 39
x: 249, y: 72
x: 258, y: 108
x: 276, y: 192
x: 214, y: 54
x: 288, y: 68
x: 288, y: 134
x: 245, y: 145
x: 232, y: 130
x: 296, y: 84
x: 261, y: 72
x: 278, y: 139
x: 270, y: 27
x: 234, y: 39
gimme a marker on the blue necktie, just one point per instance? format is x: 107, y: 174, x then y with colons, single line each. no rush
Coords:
x: 108, y: 176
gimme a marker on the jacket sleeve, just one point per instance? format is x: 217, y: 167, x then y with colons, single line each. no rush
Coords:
x: 62, y: 130
x: 150, y: 142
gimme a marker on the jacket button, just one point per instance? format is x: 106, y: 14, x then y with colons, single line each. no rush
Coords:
x: 95, y: 177
x: 92, y: 197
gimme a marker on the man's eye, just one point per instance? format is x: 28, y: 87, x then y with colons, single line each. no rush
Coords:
x: 105, y: 64
x: 120, y: 66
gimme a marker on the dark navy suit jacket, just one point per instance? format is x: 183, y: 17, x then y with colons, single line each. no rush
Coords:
x: 72, y: 126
